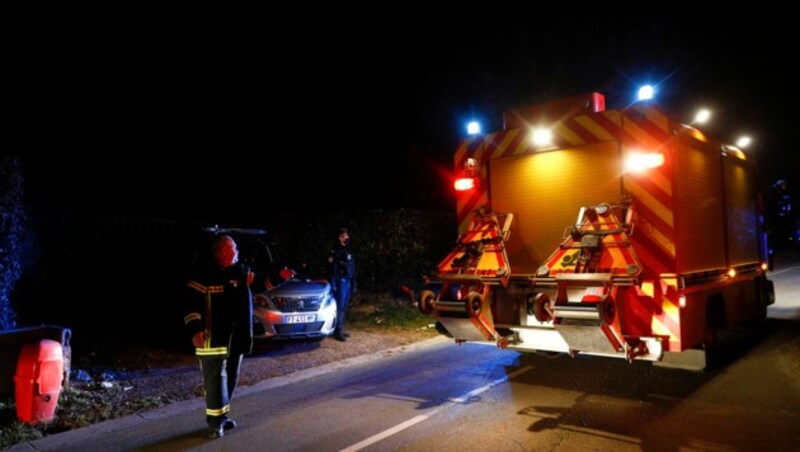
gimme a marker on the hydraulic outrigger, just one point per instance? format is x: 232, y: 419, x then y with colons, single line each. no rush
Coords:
x: 587, y: 275
x: 477, y: 263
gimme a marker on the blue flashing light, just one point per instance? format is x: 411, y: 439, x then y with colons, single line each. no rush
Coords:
x: 646, y: 92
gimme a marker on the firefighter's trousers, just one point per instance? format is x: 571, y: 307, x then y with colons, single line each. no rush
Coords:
x: 220, y: 375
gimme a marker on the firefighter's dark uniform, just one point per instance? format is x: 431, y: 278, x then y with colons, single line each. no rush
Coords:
x: 219, y: 302
x: 342, y: 272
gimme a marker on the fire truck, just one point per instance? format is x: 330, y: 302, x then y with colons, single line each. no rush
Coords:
x: 618, y: 233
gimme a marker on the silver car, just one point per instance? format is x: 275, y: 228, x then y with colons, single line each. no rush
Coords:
x: 285, y: 305
x: 298, y: 308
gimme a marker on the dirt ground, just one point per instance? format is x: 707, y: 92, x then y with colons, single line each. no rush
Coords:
x: 171, y: 376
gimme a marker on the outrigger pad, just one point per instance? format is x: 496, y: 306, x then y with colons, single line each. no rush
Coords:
x: 464, y: 329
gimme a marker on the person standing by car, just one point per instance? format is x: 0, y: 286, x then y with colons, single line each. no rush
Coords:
x: 342, y: 274
x: 219, y: 314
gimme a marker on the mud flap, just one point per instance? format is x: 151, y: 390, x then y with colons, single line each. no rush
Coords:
x: 692, y: 359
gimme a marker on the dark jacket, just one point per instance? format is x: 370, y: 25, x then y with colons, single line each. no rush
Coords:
x: 219, y: 302
x: 341, y: 263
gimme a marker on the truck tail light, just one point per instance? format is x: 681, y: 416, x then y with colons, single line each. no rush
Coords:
x: 465, y: 183
x: 640, y: 161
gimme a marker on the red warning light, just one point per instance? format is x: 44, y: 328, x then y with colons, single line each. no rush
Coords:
x: 465, y: 183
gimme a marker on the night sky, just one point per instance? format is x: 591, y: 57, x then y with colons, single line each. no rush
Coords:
x: 384, y: 101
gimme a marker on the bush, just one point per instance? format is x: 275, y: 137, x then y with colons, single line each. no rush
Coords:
x: 12, y: 218
x: 392, y: 248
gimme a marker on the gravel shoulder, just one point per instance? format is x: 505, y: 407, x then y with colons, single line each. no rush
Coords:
x: 180, y: 379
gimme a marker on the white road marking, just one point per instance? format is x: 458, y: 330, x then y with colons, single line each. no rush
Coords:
x: 385, y: 434
x: 417, y: 419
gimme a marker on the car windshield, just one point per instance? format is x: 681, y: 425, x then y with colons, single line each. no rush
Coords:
x: 267, y: 258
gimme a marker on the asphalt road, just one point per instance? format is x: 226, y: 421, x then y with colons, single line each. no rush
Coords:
x: 787, y: 293
x: 440, y: 396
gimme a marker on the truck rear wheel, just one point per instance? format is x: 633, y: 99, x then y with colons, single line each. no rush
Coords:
x: 765, y: 296
x: 715, y: 319
x: 607, y: 310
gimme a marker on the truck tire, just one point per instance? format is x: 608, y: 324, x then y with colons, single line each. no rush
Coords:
x: 765, y: 296
x: 715, y: 320
x: 607, y: 310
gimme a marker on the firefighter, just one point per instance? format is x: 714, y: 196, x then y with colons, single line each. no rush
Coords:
x: 341, y: 274
x: 219, y: 316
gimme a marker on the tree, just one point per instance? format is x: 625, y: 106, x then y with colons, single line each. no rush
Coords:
x: 12, y: 220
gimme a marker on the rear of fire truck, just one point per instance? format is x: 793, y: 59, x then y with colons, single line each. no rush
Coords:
x: 618, y: 233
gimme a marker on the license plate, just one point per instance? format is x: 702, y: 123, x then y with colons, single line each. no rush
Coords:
x: 301, y: 318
